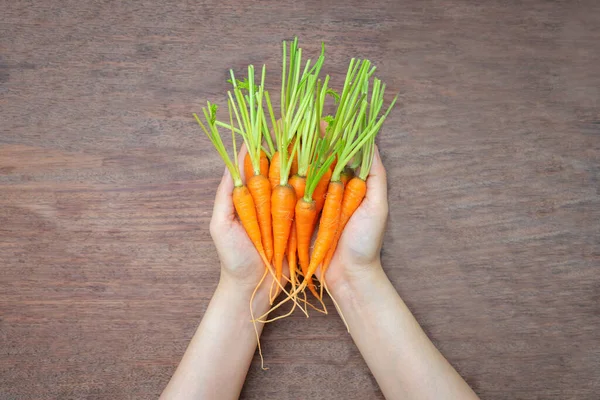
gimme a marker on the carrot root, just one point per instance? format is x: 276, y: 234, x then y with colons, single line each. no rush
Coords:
x: 262, y: 360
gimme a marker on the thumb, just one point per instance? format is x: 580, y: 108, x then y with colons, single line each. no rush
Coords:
x: 377, y: 181
x: 223, y: 209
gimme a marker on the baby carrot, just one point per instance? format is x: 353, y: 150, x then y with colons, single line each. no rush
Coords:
x: 249, y: 169
x: 260, y: 188
x: 327, y: 226
x: 347, y: 174
x: 249, y: 114
x: 283, y: 201
x: 321, y: 190
x: 274, y: 169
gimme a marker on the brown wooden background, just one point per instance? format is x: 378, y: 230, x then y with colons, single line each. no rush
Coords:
x: 107, y: 188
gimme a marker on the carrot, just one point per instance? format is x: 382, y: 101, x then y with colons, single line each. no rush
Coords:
x: 294, y: 167
x: 249, y: 114
x: 242, y: 198
x: 354, y: 194
x: 348, y: 208
x: 249, y: 169
x: 264, y: 164
x: 274, y: 169
x: 308, y: 137
x: 283, y: 200
x: 260, y: 188
x: 347, y: 174
x: 327, y: 226
x: 246, y: 211
x: 321, y: 190
x: 299, y: 184
x: 306, y: 217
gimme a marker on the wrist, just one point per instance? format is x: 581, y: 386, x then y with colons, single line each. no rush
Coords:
x: 238, y: 294
x: 358, y: 278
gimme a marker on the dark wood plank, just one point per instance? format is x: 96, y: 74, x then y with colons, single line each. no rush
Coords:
x: 107, y: 186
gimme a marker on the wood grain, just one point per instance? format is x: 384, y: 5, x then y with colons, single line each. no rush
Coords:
x: 107, y: 188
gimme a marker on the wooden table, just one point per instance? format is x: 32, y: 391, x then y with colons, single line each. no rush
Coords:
x: 107, y: 186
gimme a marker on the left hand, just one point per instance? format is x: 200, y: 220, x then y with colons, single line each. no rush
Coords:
x: 241, y: 266
x: 240, y: 261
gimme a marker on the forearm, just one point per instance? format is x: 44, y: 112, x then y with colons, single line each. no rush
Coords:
x: 217, y: 359
x: 401, y: 357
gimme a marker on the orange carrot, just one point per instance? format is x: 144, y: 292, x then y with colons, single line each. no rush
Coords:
x: 306, y: 217
x: 347, y: 174
x: 250, y: 115
x: 283, y: 201
x: 274, y: 170
x: 294, y: 168
x: 248, y: 169
x: 242, y: 198
x: 328, y: 225
x: 299, y: 184
x: 260, y: 188
x: 354, y: 194
x: 244, y: 206
x: 334, y: 163
x: 264, y: 165
x: 321, y: 190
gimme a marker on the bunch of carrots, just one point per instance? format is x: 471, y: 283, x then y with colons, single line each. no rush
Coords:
x: 302, y: 168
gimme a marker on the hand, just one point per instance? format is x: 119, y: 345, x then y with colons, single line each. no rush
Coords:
x: 359, y: 248
x: 240, y: 262
x: 241, y: 266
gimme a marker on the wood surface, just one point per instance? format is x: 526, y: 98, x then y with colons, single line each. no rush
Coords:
x: 107, y: 185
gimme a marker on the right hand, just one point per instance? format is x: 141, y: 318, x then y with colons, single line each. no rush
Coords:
x: 358, y: 252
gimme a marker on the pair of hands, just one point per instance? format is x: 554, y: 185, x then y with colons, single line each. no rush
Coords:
x: 357, y: 254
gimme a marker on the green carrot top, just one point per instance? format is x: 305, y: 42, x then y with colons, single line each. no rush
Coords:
x: 297, y: 99
x: 356, y: 121
x: 210, y: 114
x: 249, y: 114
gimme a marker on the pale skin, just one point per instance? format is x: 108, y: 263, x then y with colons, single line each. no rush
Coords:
x: 403, y: 360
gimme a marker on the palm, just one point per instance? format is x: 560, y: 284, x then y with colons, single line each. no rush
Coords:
x: 360, y: 243
x: 237, y: 253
